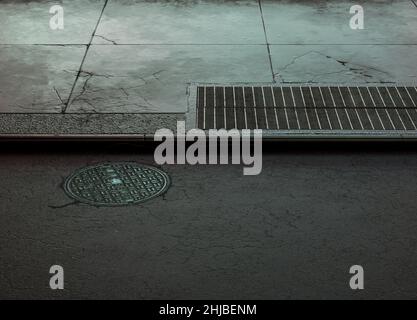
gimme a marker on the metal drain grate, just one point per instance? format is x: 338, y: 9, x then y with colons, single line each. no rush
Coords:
x: 308, y: 108
x: 116, y: 184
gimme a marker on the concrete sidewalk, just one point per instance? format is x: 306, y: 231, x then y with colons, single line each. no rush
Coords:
x: 124, y: 67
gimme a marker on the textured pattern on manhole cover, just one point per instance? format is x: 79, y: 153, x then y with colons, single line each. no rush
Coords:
x: 116, y: 184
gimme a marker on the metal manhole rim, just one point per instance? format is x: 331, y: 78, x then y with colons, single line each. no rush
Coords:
x: 71, y: 194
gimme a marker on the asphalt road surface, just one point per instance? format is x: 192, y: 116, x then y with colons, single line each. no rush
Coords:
x: 291, y: 232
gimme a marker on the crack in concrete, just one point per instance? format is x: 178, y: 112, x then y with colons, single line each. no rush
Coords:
x: 64, y: 205
x: 362, y: 70
x: 84, y: 58
x: 107, y: 39
x: 124, y: 91
x: 60, y: 99
x: 267, y: 43
x: 88, y: 75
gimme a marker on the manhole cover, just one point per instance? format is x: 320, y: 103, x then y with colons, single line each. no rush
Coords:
x: 116, y: 184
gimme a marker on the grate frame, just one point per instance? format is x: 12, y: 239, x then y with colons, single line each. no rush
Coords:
x: 366, y: 105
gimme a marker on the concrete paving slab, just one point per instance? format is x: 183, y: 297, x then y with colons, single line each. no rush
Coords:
x: 323, y: 22
x: 137, y: 79
x: 27, y: 21
x: 181, y: 22
x: 345, y: 64
x: 37, y: 79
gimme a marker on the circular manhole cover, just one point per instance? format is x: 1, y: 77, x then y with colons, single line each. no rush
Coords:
x: 116, y: 184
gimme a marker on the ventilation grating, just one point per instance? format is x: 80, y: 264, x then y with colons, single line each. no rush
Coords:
x: 308, y: 108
